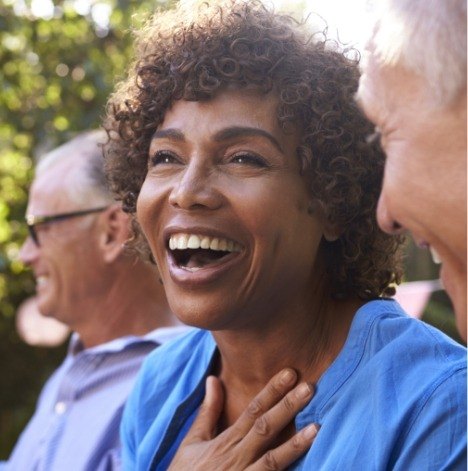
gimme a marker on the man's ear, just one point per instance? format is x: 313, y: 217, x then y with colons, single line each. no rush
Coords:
x: 115, y: 232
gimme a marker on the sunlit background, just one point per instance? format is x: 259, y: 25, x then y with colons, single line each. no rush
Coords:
x: 348, y: 21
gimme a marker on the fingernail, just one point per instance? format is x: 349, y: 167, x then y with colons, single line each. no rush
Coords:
x: 304, y: 390
x: 287, y: 377
x: 310, y: 431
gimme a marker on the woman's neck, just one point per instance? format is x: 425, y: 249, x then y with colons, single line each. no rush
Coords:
x: 306, y: 340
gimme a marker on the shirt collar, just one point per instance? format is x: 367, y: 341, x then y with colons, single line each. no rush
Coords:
x: 156, y: 336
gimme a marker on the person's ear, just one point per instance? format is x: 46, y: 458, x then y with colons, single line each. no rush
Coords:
x: 331, y: 231
x: 115, y: 232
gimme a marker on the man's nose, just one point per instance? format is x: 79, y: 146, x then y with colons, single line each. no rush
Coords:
x: 196, y: 189
x: 29, y: 251
x: 385, y: 219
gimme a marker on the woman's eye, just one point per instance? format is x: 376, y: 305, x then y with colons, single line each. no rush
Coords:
x: 249, y: 159
x: 164, y: 157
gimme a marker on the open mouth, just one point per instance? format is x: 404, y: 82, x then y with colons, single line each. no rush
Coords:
x: 41, y: 281
x: 193, y: 252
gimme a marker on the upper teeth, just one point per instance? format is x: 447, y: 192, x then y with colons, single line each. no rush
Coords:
x: 193, y: 241
x: 435, y: 255
x: 41, y: 280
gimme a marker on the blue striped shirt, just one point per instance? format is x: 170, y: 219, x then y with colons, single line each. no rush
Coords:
x: 76, y: 422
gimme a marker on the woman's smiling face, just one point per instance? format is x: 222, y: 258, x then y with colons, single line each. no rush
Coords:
x: 225, y: 212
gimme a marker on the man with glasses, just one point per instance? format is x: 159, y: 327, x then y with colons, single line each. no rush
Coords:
x: 108, y: 297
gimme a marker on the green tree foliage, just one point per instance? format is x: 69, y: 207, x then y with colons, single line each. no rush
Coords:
x: 58, y: 63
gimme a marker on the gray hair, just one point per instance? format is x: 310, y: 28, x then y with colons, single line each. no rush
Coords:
x: 91, y: 187
x: 427, y: 37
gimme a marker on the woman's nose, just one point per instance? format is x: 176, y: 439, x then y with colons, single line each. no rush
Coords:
x: 385, y: 219
x: 196, y: 189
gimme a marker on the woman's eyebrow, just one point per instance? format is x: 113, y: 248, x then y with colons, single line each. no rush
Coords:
x: 241, y: 131
x: 172, y: 134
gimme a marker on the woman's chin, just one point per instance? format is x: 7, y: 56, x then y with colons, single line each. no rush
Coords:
x: 208, y: 316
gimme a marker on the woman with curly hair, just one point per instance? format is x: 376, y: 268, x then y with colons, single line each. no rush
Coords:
x: 236, y: 143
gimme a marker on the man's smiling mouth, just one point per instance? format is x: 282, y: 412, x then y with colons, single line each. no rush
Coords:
x: 192, y: 252
x: 435, y: 256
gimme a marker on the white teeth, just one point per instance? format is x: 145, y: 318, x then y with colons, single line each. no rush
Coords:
x: 41, y: 280
x: 194, y: 241
x: 435, y: 256
x: 182, y: 242
x: 205, y: 243
x: 214, y: 244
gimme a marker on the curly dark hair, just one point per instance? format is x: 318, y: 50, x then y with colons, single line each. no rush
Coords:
x: 192, y: 54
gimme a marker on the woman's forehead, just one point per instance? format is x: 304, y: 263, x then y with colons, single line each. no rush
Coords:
x: 229, y: 108
x: 229, y: 116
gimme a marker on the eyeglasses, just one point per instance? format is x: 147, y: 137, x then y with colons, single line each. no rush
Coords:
x: 33, y: 221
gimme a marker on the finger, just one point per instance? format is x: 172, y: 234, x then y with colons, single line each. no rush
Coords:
x: 269, y: 425
x: 287, y: 453
x: 273, y: 392
x: 204, y: 426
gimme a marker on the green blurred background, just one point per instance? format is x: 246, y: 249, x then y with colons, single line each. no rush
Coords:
x: 58, y: 63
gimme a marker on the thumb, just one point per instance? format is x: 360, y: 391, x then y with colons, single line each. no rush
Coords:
x: 204, y: 426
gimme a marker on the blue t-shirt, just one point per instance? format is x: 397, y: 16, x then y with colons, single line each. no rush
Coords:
x: 393, y: 399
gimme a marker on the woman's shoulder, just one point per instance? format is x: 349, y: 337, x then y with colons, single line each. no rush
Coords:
x: 404, y: 383
x: 392, y: 329
x: 415, y: 356
x: 386, y: 348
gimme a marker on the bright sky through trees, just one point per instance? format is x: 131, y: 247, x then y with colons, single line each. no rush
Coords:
x: 348, y: 20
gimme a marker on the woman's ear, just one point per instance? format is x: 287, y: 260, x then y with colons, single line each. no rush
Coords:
x: 331, y: 232
x: 115, y: 232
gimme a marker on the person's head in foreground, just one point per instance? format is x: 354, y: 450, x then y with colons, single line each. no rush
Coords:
x: 413, y: 88
x: 237, y: 144
x: 76, y: 248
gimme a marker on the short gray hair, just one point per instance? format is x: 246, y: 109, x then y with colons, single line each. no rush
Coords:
x: 427, y: 37
x: 92, y: 188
